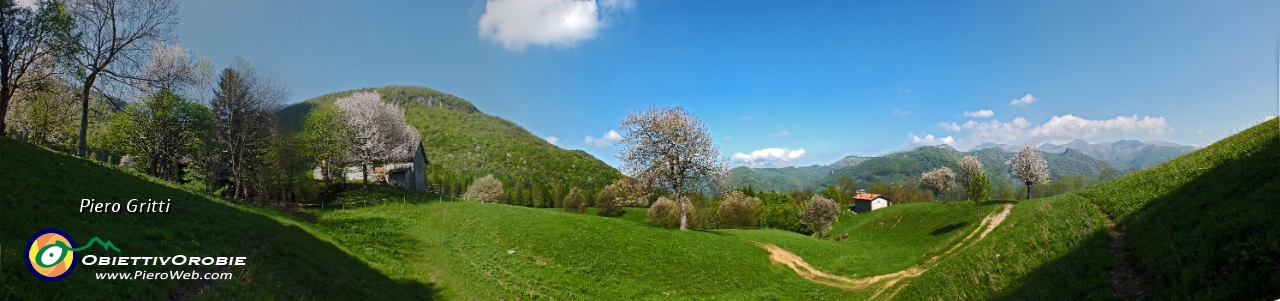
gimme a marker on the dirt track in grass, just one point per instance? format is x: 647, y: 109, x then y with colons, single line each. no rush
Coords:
x: 880, y: 283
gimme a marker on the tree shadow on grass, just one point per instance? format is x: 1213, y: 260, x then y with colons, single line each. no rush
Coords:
x: 41, y: 189
x: 949, y: 228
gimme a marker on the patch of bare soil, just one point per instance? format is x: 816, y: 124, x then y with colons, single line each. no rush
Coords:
x: 881, y: 282
x: 1126, y: 279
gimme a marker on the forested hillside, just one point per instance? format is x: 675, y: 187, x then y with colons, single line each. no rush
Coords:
x: 905, y: 168
x: 1126, y: 155
x: 463, y: 143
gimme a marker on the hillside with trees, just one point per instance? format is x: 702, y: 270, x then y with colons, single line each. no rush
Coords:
x: 905, y: 168
x: 463, y: 144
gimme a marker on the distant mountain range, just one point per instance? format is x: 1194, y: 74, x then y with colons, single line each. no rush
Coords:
x: 1123, y: 155
x: 904, y: 166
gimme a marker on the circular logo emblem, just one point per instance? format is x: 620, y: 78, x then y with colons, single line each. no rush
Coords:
x: 49, y: 255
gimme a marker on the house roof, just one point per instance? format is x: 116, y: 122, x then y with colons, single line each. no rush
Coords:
x: 868, y: 197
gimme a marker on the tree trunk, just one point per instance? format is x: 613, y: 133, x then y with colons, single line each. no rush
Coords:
x: 1028, y: 191
x: 684, y: 211
x: 364, y: 167
x: 4, y: 109
x: 83, y: 147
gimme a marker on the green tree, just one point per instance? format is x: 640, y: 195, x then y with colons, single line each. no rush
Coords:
x: 979, y: 191
x: 162, y: 133
x: 831, y: 193
x: 326, y: 139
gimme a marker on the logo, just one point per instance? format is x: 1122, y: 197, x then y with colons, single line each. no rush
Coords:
x: 51, y: 254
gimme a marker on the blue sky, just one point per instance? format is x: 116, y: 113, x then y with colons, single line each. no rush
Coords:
x: 783, y: 83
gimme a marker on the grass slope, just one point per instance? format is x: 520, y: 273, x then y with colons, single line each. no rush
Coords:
x: 42, y: 189
x: 464, y: 247
x: 1198, y: 227
x: 462, y: 140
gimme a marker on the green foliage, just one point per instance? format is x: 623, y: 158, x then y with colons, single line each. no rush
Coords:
x: 831, y: 193
x: 326, y: 139
x: 574, y: 202
x: 286, y: 176
x: 463, y: 143
x: 1004, y: 193
x: 979, y: 189
x: 162, y: 132
x: 781, y: 211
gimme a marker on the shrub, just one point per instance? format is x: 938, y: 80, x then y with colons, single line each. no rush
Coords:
x: 820, y: 213
x: 779, y: 211
x: 662, y: 212
x: 486, y: 190
x: 575, y: 202
x: 607, y: 201
x: 737, y: 210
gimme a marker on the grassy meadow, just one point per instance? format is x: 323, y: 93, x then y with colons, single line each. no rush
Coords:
x: 1198, y: 227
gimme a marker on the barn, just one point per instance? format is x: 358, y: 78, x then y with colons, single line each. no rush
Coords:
x: 410, y: 175
x: 408, y: 172
x: 865, y: 202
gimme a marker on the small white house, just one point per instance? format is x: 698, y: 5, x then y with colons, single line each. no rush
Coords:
x: 866, y: 202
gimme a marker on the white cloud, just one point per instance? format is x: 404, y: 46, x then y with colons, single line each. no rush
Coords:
x: 902, y: 89
x: 900, y: 113
x: 552, y: 139
x: 1072, y: 127
x: 980, y: 114
x: 951, y: 126
x: 608, y: 139
x: 769, y: 157
x: 1058, y: 129
x: 930, y: 140
x: 516, y: 24
x: 1024, y: 101
x: 783, y: 133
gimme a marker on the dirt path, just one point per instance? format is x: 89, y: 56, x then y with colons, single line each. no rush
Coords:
x: 881, y: 282
x: 1126, y: 280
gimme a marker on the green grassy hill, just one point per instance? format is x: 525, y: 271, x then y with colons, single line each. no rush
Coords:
x: 450, y: 250
x: 490, y: 251
x: 464, y: 143
x: 1199, y: 227
x: 286, y: 260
